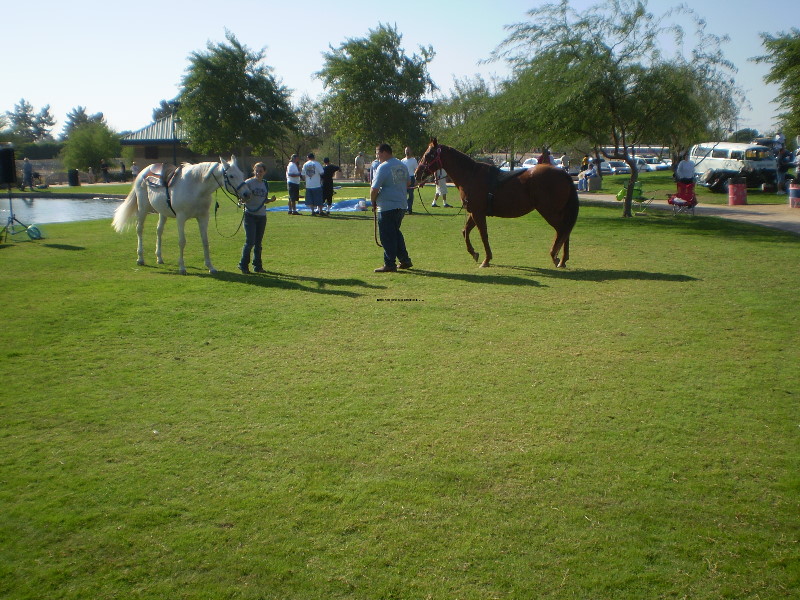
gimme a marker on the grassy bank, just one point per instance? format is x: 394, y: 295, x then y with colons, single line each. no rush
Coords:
x: 625, y: 428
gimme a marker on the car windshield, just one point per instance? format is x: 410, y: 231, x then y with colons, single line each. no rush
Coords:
x: 652, y: 161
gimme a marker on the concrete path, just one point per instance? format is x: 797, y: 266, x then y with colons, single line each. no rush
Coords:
x: 776, y: 216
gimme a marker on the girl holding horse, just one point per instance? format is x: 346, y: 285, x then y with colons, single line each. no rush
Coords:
x: 255, y: 219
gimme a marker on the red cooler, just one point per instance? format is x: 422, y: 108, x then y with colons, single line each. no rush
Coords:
x: 737, y: 191
x: 794, y: 195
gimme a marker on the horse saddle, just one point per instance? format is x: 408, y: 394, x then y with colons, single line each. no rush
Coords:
x: 497, y: 178
x: 160, y: 174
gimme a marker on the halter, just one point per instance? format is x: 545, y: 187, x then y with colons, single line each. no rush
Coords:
x: 430, y: 165
x: 229, y: 186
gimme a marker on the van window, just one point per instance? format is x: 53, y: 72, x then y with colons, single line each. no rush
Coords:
x: 737, y: 155
x: 755, y: 154
x: 717, y: 153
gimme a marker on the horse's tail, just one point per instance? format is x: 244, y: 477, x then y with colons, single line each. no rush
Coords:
x: 573, y: 206
x: 125, y: 211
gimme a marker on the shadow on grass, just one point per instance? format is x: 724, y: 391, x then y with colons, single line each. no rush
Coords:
x: 63, y: 247
x: 483, y: 278
x: 284, y: 281
x: 600, y: 275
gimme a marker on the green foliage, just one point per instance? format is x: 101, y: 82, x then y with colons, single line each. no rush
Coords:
x: 783, y: 53
x: 624, y: 429
x: 230, y: 100
x: 39, y: 150
x: 599, y: 76
x: 27, y: 126
x: 78, y: 116
x: 376, y: 92
x: 88, y: 144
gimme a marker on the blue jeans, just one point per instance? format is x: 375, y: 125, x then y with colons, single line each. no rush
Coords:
x: 394, y: 245
x: 254, y: 227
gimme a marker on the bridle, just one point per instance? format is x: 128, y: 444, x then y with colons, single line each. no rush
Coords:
x: 430, y: 165
x: 228, y: 187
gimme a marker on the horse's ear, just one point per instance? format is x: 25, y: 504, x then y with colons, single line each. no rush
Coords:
x: 434, y: 142
x: 223, y: 162
x: 233, y: 160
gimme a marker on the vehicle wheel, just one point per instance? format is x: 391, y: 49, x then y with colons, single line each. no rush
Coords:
x: 33, y: 232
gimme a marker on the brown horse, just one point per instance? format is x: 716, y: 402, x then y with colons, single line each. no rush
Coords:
x: 488, y: 191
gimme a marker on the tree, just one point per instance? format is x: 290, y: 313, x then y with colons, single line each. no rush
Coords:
x: 230, y: 100
x: 783, y: 53
x: 376, y: 92
x: 78, y: 116
x: 461, y: 117
x: 600, y: 77
x: 164, y: 109
x: 88, y: 143
x: 27, y: 126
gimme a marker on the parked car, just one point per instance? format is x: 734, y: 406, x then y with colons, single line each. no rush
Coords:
x: 651, y: 163
x: 530, y: 163
x: 618, y: 167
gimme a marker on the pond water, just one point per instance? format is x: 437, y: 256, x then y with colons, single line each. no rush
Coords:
x: 39, y: 211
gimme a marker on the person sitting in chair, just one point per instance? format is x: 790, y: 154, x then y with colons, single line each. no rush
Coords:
x: 583, y: 178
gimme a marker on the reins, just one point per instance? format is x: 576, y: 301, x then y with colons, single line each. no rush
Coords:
x: 225, y: 188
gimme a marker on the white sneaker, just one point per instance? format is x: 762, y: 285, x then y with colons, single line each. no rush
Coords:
x: 433, y: 205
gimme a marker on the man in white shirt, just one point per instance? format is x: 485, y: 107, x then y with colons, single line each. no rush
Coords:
x: 312, y: 171
x: 293, y: 183
x: 411, y: 164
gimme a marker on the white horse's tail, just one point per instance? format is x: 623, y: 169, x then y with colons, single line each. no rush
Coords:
x: 125, y: 211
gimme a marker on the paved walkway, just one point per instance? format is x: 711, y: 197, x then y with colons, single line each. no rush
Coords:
x: 776, y: 216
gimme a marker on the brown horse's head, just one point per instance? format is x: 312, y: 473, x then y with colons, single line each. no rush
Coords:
x: 429, y: 163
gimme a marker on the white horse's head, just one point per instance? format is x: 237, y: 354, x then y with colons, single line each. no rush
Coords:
x: 234, y: 178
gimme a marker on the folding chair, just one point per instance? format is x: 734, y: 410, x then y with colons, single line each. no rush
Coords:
x: 685, y: 200
x: 638, y: 198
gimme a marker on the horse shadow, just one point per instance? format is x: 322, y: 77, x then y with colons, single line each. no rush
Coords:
x: 601, y: 275
x: 482, y: 278
x: 285, y: 281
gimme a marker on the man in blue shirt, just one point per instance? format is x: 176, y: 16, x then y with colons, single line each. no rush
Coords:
x: 388, y: 193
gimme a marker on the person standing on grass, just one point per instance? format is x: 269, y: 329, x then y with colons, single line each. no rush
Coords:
x: 389, y: 199
x: 312, y: 172
x: 328, y: 171
x: 441, y: 188
x: 255, y: 220
x: 293, y: 183
x: 411, y: 164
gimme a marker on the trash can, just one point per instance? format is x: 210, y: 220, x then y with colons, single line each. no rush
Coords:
x: 737, y: 191
x: 794, y: 195
x: 72, y: 177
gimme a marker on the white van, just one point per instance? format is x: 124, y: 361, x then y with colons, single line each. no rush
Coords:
x: 716, y: 162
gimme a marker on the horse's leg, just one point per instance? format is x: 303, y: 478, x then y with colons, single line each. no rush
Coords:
x: 181, y: 243
x: 470, y: 224
x: 202, y: 223
x: 480, y: 223
x: 162, y: 220
x: 141, y: 215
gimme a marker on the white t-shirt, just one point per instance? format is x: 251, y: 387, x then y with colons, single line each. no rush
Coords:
x: 292, y: 173
x: 313, y: 174
x: 411, y: 164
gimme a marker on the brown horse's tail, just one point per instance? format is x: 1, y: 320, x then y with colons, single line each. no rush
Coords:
x: 572, y: 209
x: 561, y: 243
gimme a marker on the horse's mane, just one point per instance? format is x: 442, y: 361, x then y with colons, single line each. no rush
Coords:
x: 464, y: 161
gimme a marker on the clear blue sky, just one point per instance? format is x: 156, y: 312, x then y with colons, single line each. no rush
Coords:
x: 123, y: 58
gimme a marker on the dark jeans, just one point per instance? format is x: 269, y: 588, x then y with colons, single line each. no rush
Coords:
x: 254, y: 227
x: 394, y: 245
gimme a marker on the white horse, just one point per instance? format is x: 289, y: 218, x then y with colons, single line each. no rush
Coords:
x: 188, y: 196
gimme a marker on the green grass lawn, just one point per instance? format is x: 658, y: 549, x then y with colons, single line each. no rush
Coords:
x: 626, y: 428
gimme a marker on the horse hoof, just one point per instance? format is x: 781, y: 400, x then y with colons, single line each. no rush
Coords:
x: 181, y: 271
x: 160, y: 261
x: 212, y: 271
x: 484, y: 265
x: 475, y: 256
x: 140, y: 262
